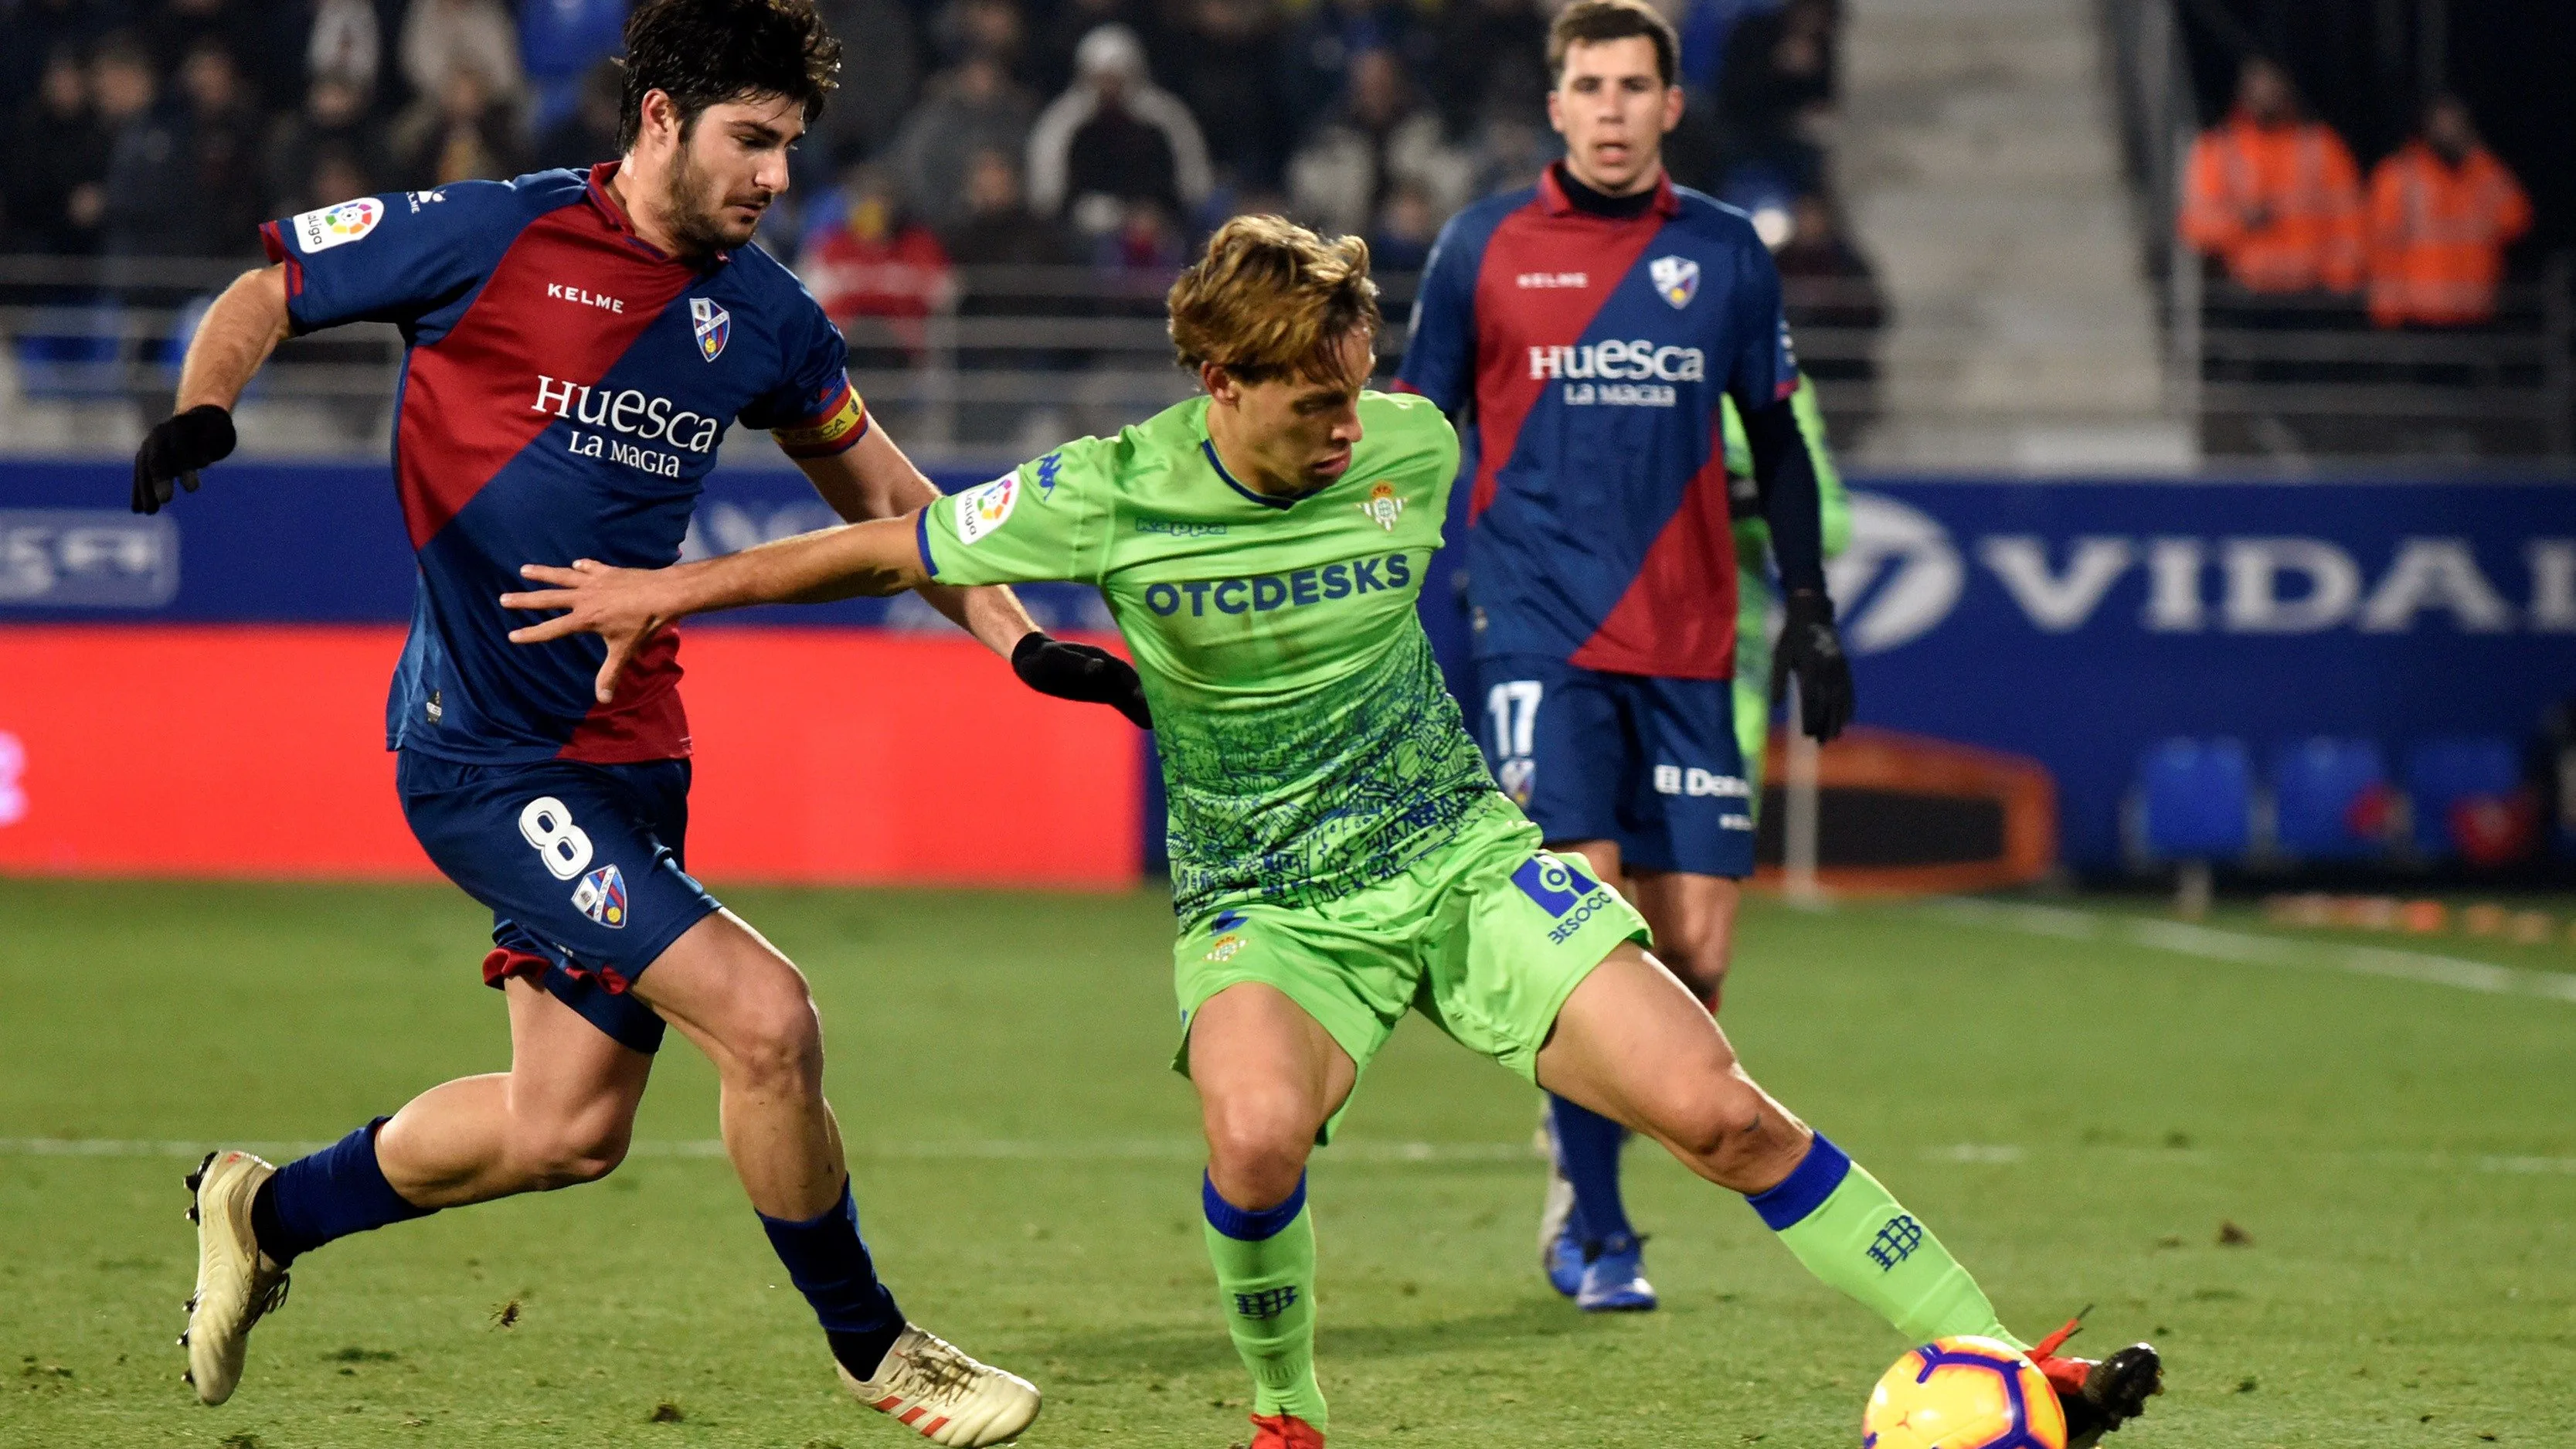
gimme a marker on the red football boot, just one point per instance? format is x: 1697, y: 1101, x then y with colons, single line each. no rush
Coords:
x: 1284, y: 1431
x: 2098, y: 1395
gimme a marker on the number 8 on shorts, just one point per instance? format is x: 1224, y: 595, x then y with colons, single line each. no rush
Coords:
x: 562, y: 845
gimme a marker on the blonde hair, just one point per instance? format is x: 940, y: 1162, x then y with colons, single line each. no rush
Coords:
x: 1268, y: 298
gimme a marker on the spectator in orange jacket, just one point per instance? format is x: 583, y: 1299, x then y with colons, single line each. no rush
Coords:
x: 2442, y: 211
x: 2274, y: 195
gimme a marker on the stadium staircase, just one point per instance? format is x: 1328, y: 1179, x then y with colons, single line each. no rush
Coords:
x: 1977, y: 152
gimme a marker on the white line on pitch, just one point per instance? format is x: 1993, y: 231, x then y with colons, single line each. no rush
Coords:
x: 2245, y: 948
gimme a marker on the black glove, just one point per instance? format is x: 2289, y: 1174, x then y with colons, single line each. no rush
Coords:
x: 1083, y: 672
x: 1811, y: 649
x: 174, y: 451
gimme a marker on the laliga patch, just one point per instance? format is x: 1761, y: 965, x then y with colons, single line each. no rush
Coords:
x: 1383, y: 507
x: 319, y: 231
x: 986, y: 507
x: 1676, y: 279
x: 602, y: 897
x: 713, y: 326
x: 1556, y: 886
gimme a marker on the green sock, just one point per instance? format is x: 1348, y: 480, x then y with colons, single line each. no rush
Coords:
x: 1853, y: 1234
x: 1265, y: 1277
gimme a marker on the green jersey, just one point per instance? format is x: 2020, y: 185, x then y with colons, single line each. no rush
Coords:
x: 1310, y: 747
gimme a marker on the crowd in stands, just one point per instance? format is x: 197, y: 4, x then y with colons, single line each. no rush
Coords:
x: 2276, y: 200
x: 1103, y: 134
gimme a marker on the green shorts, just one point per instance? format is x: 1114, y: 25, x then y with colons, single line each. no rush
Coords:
x: 1486, y: 936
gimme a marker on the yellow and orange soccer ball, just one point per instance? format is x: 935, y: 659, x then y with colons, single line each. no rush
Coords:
x: 1963, y: 1393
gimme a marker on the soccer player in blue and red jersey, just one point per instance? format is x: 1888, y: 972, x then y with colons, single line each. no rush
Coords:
x: 1592, y: 326
x: 578, y: 343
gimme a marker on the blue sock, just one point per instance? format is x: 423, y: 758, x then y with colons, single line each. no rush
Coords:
x: 1587, y: 1147
x: 335, y: 1192
x: 830, y: 1266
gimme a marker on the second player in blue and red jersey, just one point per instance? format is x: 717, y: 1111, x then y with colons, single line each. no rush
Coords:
x: 1586, y: 330
x: 577, y: 344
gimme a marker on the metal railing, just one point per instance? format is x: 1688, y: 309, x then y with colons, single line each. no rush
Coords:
x: 1012, y: 358
x: 2304, y: 377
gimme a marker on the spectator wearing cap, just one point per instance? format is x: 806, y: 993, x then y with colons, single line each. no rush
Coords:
x: 1117, y: 137
x: 335, y: 117
x: 1380, y: 138
x: 2442, y: 211
x: 50, y: 174
x: 972, y: 108
x: 877, y: 273
x: 2274, y: 196
x: 559, y: 42
x: 443, y: 37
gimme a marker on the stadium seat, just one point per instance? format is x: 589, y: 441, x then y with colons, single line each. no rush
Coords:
x: 2198, y: 797
x: 2450, y: 771
x: 2325, y: 792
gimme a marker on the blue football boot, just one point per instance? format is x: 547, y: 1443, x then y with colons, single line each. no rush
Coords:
x: 1614, y: 1278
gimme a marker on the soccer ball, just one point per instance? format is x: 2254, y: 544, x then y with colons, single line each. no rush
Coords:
x: 1963, y: 1393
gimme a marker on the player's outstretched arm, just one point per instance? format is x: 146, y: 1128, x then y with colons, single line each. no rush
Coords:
x: 627, y: 607
x: 239, y: 331
x: 873, y: 479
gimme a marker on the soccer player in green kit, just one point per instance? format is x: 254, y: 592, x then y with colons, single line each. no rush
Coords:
x: 1340, y: 854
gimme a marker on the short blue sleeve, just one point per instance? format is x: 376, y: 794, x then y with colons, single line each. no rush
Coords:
x: 1440, y: 352
x: 392, y: 258
x: 1763, y: 368
x: 813, y: 412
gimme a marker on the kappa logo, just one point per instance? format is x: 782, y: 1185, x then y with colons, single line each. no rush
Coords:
x: 1048, y: 467
x: 1383, y: 507
x: 602, y: 897
x: 986, y: 507
x: 712, y: 325
x: 1676, y: 279
x: 319, y: 231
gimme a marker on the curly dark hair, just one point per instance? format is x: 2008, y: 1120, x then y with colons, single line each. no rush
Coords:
x: 706, y: 52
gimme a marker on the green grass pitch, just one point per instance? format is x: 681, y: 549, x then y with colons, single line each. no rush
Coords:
x: 2077, y: 1117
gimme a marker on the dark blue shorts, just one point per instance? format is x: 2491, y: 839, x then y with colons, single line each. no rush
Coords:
x: 1650, y: 763
x: 580, y: 865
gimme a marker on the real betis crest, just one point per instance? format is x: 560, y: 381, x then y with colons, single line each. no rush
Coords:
x: 1383, y: 507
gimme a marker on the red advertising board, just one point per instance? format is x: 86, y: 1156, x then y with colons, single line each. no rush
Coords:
x: 838, y: 756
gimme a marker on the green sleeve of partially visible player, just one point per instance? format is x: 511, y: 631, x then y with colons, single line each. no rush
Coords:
x: 1044, y: 520
x: 1753, y: 586
x: 1752, y: 535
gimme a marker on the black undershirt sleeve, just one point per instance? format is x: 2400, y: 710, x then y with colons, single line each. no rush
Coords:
x: 1792, y: 501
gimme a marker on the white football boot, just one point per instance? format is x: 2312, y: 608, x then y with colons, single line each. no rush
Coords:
x: 236, y: 1282
x: 930, y: 1387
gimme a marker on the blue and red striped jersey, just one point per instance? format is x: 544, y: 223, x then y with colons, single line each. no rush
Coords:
x: 1594, y: 351
x: 563, y: 391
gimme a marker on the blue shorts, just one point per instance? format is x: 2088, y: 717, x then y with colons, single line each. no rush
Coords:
x: 579, y: 864
x: 1650, y: 763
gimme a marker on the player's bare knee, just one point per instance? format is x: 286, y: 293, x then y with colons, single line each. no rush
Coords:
x: 1716, y: 1127
x: 571, y: 1151
x: 1256, y: 1152
x: 775, y: 1041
